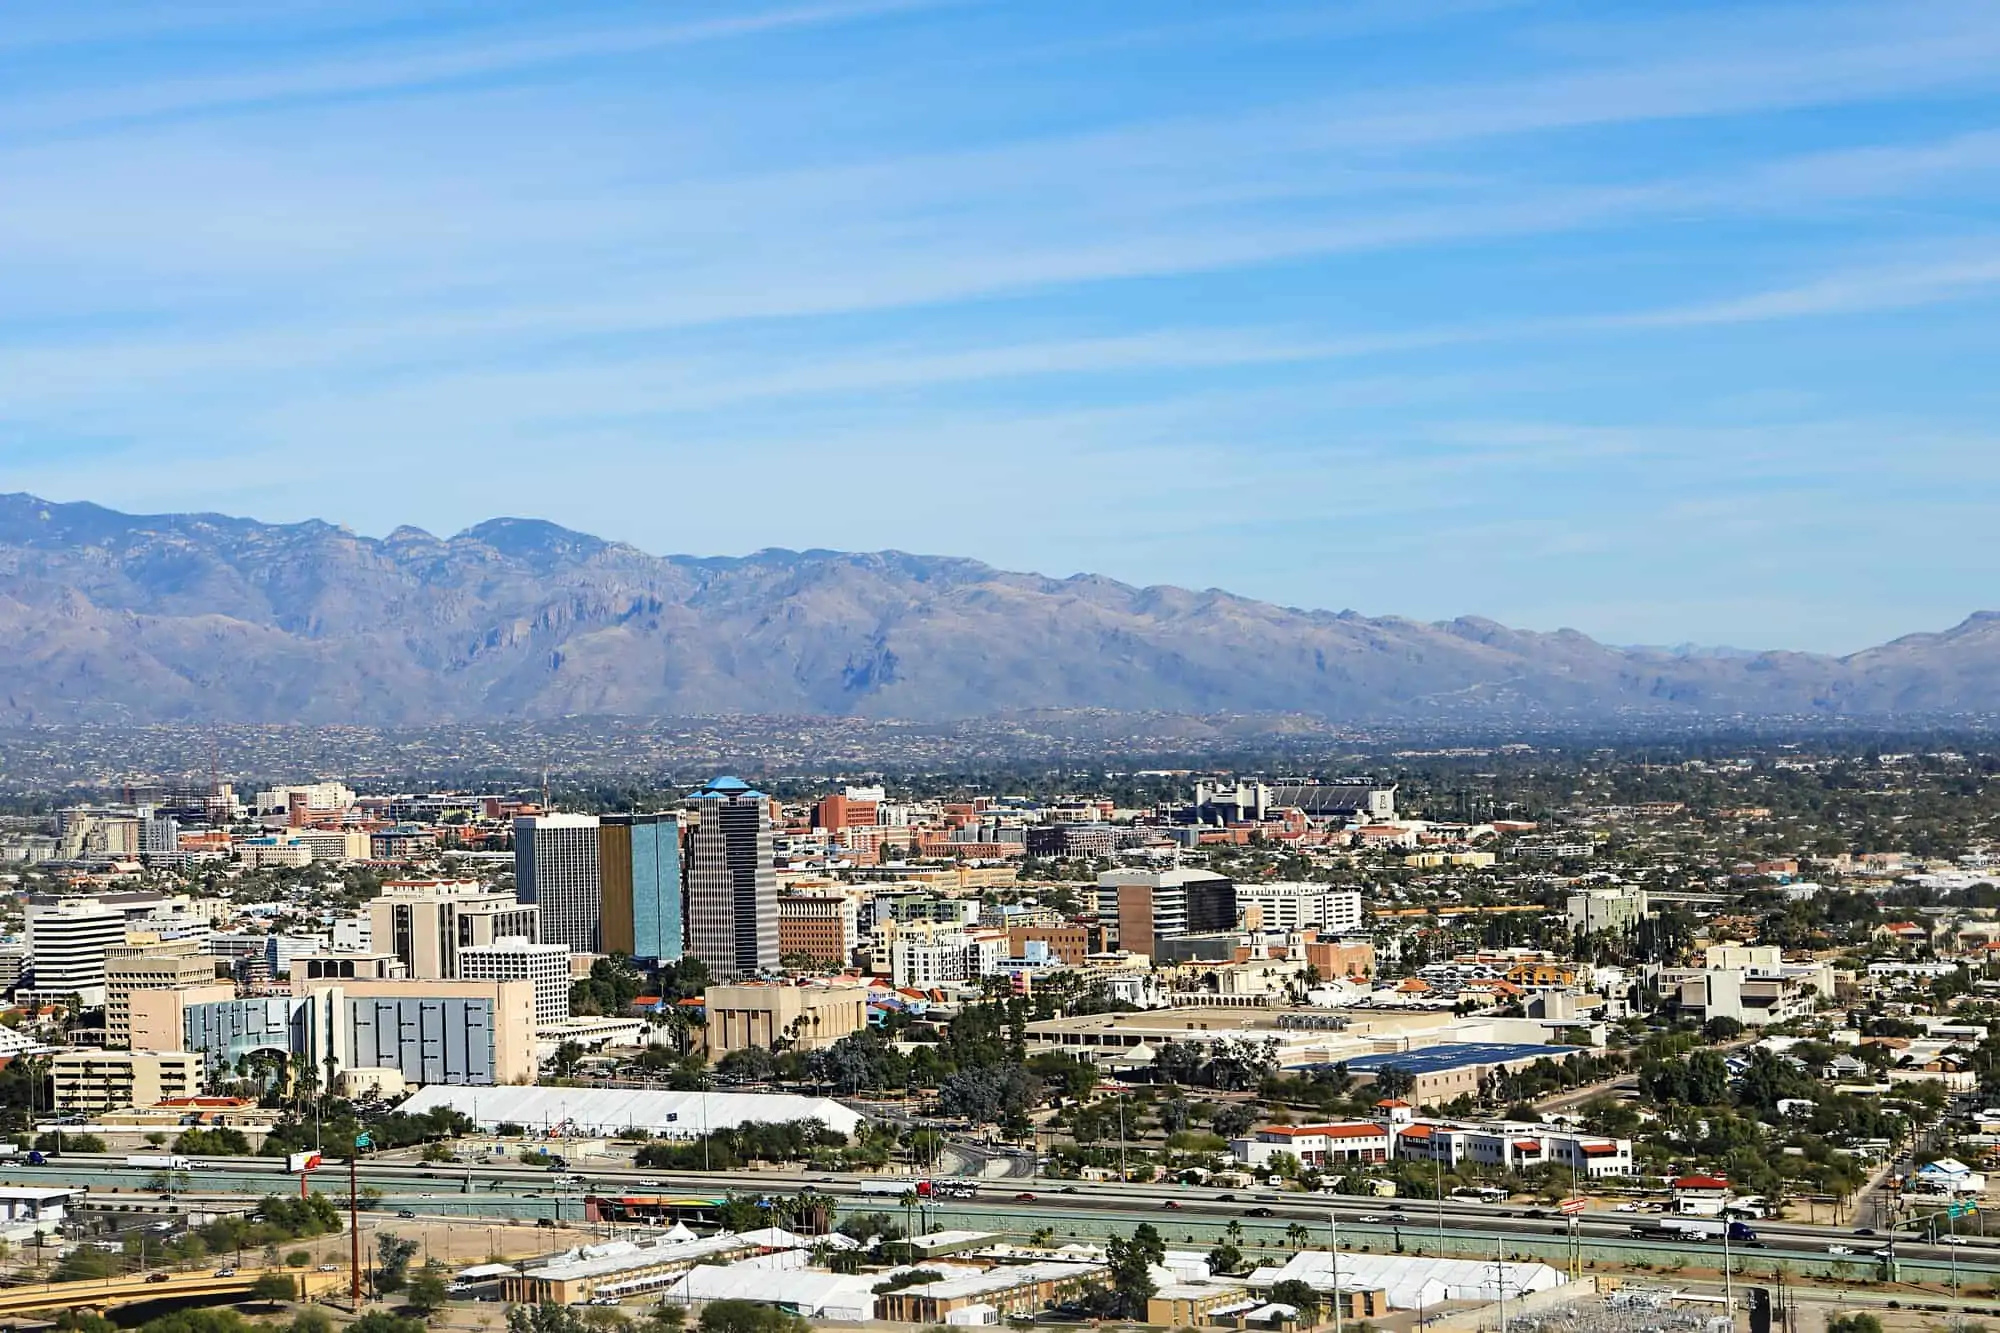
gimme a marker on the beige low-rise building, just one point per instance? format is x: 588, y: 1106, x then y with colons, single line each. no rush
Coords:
x: 764, y: 1013
x: 93, y: 1081
x: 159, y: 1017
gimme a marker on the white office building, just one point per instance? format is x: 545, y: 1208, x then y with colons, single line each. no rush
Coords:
x: 518, y: 958
x: 1296, y: 905
x: 68, y: 941
x: 944, y: 958
x: 557, y: 869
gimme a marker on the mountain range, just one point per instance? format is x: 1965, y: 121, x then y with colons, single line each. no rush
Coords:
x: 118, y: 617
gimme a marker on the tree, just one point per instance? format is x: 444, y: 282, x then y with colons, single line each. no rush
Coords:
x: 312, y: 1319
x: 394, y: 1254
x: 1393, y: 1081
x: 428, y: 1290
x: 273, y: 1287
x: 1300, y: 1297
x: 1225, y: 1258
x: 749, y: 1317
x: 1233, y: 1120
x: 381, y: 1321
x: 1854, y: 1323
x: 1130, y: 1263
x: 664, y: 1318
x: 298, y: 1259
x: 83, y: 1264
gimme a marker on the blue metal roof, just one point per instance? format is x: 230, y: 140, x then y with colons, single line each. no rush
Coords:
x: 1456, y: 1055
x: 723, y: 788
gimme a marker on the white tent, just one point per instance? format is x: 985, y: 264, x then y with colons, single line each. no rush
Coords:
x: 812, y: 1293
x: 605, y: 1111
x: 1408, y: 1281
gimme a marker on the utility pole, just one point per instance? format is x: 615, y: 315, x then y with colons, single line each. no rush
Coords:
x: 354, y: 1222
x: 1728, y: 1277
x: 1333, y: 1240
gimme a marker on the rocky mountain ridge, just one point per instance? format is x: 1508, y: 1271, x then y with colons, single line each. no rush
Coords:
x: 132, y: 618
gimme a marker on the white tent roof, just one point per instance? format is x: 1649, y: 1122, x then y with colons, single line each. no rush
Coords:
x: 807, y: 1290
x: 1409, y: 1281
x: 608, y: 1110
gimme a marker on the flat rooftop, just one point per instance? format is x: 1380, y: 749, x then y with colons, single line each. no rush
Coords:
x: 1458, y: 1055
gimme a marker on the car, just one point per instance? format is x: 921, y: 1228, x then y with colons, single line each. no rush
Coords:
x: 1369, y: 1217
x: 1840, y: 1249
x: 158, y: 1277
x: 1067, y: 1189
x: 1883, y: 1253
x: 1225, y: 1198
x: 1261, y: 1212
x: 1625, y: 1208
x: 657, y: 1184
x: 406, y: 1212
x: 328, y: 1268
x: 1952, y: 1240
x: 1536, y: 1212
x: 1024, y: 1197
x: 546, y: 1223
x: 225, y: 1272
x: 1864, y: 1231
x: 1174, y: 1204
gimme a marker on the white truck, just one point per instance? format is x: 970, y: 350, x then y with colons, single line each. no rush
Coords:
x: 1695, y: 1228
x: 160, y: 1162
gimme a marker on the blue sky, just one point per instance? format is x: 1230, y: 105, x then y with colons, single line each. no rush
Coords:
x: 1665, y: 322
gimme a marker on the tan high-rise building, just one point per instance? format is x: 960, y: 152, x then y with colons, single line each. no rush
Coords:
x: 426, y: 922
x: 145, y: 962
x: 825, y: 929
x: 159, y: 1017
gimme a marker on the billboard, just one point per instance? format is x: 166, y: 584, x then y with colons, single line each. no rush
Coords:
x: 302, y: 1161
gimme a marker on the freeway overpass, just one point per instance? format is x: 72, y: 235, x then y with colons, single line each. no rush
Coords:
x: 135, y: 1290
x: 1187, y: 1214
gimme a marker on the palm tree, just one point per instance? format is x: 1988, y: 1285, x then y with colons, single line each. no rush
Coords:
x: 1296, y: 1235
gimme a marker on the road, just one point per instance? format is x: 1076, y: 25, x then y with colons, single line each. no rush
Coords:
x: 1186, y: 1214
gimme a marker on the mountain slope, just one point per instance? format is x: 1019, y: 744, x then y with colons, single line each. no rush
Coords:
x: 111, y: 616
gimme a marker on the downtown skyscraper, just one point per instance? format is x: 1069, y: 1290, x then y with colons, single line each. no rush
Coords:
x: 556, y: 867
x: 732, y: 881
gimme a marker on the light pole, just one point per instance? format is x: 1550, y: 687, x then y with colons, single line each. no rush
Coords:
x: 1333, y: 1252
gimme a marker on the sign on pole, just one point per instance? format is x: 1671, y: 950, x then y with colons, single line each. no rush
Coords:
x: 302, y: 1161
x: 1571, y: 1207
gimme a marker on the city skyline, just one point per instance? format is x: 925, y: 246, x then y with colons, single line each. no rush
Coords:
x: 1661, y: 325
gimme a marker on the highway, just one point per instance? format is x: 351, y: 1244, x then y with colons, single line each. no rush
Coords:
x: 1186, y: 1215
